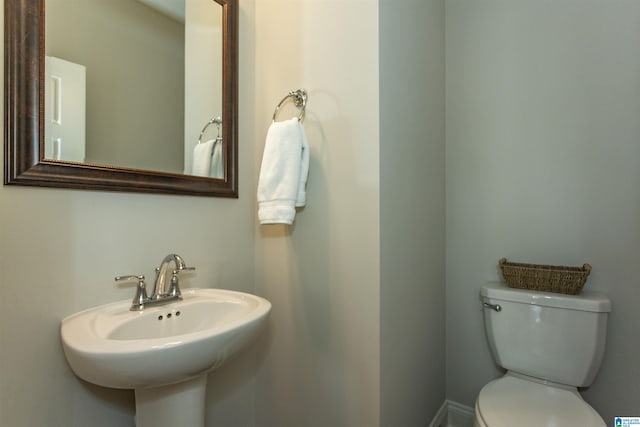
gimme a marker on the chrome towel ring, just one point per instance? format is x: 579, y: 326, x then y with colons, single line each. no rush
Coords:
x: 300, y: 100
x: 217, y: 121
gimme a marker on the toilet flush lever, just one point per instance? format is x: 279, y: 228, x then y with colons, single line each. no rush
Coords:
x: 495, y: 307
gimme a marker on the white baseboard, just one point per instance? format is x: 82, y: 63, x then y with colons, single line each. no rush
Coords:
x: 440, y: 420
x: 453, y: 414
x: 459, y: 415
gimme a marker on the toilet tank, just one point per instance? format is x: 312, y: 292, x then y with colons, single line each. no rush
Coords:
x: 550, y: 336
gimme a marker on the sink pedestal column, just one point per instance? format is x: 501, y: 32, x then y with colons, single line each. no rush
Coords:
x: 181, y: 404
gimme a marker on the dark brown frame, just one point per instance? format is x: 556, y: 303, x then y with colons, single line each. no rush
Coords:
x: 24, y: 162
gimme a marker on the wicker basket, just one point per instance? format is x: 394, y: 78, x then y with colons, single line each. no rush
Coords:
x: 547, y: 278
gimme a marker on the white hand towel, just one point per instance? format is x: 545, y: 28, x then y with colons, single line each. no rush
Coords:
x: 202, y: 158
x: 217, y: 168
x: 283, y: 173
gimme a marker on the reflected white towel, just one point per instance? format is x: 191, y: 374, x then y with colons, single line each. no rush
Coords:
x: 202, y: 158
x: 217, y: 168
x: 283, y: 174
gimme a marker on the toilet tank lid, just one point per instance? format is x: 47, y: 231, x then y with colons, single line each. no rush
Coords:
x: 585, y: 301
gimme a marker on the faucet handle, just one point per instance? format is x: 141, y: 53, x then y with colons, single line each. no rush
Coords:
x: 129, y: 278
x: 174, y: 289
x: 141, y: 291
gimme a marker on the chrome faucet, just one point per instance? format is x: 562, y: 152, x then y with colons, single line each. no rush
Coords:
x: 160, y: 295
x: 160, y: 285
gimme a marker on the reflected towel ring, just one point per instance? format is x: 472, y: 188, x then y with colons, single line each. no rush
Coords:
x: 218, y: 122
x: 299, y: 98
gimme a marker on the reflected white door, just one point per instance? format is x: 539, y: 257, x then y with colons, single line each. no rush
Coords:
x: 65, y: 110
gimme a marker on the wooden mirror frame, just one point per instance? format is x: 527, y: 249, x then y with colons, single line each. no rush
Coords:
x: 24, y: 162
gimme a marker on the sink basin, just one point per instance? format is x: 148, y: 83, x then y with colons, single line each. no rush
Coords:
x: 114, y: 347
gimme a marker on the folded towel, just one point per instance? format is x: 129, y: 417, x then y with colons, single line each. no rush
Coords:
x: 217, y: 168
x: 202, y: 158
x: 283, y: 174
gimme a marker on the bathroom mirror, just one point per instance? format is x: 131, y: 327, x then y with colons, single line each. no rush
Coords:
x: 34, y: 157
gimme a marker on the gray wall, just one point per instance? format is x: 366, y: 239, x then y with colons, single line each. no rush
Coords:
x: 412, y: 211
x: 543, y: 131
x: 321, y: 365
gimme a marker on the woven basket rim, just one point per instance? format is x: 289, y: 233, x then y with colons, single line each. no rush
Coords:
x: 504, y: 263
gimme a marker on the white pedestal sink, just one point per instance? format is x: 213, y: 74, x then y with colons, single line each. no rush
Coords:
x: 163, y: 352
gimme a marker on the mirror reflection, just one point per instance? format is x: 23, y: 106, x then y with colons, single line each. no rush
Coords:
x: 135, y: 84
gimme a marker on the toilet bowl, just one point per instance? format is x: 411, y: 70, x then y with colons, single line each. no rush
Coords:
x: 512, y: 401
x: 550, y: 344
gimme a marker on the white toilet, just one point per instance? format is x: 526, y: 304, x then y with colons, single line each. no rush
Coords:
x: 550, y: 344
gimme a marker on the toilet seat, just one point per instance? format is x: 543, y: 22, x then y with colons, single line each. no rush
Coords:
x: 511, y: 401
